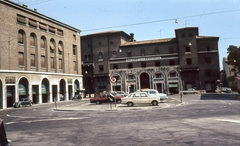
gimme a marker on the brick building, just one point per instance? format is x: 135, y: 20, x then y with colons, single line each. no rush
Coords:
x: 115, y: 61
x: 40, y: 57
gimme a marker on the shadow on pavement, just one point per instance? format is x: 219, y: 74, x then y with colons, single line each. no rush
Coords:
x: 220, y: 96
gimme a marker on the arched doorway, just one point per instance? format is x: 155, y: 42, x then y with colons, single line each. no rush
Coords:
x: 76, y: 87
x: 144, y: 81
x: 62, y: 90
x: 45, y: 90
x: 23, y: 88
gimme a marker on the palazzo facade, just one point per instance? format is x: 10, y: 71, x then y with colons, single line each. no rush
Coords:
x: 115, y: 61
x: 40, y: 58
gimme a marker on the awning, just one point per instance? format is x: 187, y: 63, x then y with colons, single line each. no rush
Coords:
x: 22, y: 89
x: 172, y: 85
x: 44, y: 89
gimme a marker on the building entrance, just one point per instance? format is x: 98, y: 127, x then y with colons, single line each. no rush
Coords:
x: 10, y: 95
x: 144, y: 81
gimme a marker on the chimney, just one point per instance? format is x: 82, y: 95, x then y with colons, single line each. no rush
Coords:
x: 132, y: 37
x: 35, y: 9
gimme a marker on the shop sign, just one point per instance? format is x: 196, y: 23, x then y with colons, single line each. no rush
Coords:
x: 10, y: 80
x: 143, y: 59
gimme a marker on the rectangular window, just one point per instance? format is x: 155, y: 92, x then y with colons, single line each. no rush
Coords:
x: 21, y: 19
x: 74, y: 37
x: 208, y: 60
x: 43, y: 65
x: 60, y: 32
x: 158, y: 75
x: 51, y: 29
x: 32, y: 23
x: 171, y: 62
x: 52, y: 62
x: 130, y: 65
x: 20, y: 58
x: 189, y: 61
x: 74, y: 66
x: 115, y: 66
x: 143, y: 64
x: 129, y: 54
x: 101, y: 68
x: 32, y: 58
x: 157, y: 63
x: 188, y: 49
x: 74, y: 49
x: 60, y: 63
x: 43, y: 26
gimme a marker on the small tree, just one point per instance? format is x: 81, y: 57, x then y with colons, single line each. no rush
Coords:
x: 234, y: 57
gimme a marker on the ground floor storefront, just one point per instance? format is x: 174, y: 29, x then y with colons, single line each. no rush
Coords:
x: 39, y: 87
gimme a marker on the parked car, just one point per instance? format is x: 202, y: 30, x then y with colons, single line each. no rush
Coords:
x: 223, y: 90
x: 153, y: 92
x: 119, y: 93
x: 103, y: 98
x: 23, y: 102
x: 191, y: 91
x: 140, y: 98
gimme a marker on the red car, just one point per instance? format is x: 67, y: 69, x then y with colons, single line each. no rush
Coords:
x: 103, y: 98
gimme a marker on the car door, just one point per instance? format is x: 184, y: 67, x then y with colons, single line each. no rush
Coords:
x: 25, y: 101
x: 144, y: 98
x: 136, y: 98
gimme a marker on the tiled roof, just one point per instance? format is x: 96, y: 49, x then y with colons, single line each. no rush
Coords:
x: 149, y: 42
x: 105, y: 32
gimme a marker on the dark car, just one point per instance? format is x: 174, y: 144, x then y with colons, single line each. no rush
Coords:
x: 104, y: 98
x: 23, y: 102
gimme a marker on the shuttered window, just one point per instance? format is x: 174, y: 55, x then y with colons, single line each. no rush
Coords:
x: 32, y: 23
x: 20, y: 58
x: 32, y: 40
x: 32, y: 60
x: 21, y: 19
x: 43, y: 64
x: 74, y: 66
x: 59, y: 32
x: 20, y: 38
x: 43, y: 43
x: 52, y: 62
x: 43, y: 26
x: 60, y: 63
x: 51, y: 29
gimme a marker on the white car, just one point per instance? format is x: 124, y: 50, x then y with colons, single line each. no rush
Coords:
x: 140, y: 98
x: 153, y: 92
x: 190, y: 91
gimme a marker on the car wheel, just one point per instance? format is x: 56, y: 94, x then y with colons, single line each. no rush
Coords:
x: 130, y: 104
x: 97, y: 102
x: 119, y: 101
x: 20, y: 105
x: 184, y: 93
x: 154, y: 103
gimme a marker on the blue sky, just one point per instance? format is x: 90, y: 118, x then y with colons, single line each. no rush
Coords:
x: 148, y: 19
